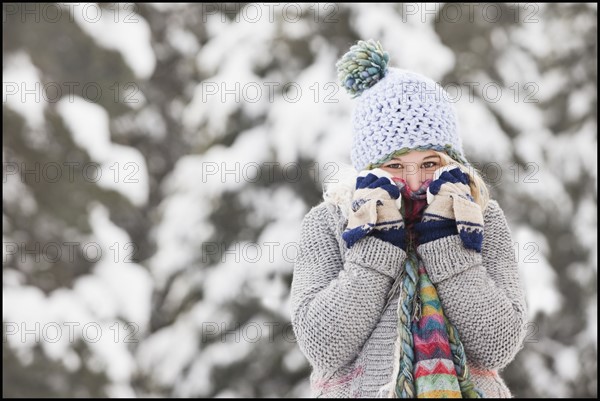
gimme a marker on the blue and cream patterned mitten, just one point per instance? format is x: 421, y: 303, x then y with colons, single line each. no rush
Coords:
x: 452, y: 210
x: 376, y: 210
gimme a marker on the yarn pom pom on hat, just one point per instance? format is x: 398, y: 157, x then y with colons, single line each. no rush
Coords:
x: 396, y: 110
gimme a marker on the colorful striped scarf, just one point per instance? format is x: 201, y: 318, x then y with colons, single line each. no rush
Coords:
x: 432, y: 359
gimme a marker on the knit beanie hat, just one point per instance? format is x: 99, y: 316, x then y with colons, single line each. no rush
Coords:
x: 396, y: 110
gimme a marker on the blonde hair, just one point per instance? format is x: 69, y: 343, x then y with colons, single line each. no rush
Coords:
x: 479, y: 189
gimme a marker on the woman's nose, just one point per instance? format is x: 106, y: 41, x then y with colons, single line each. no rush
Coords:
x: 413, y: 181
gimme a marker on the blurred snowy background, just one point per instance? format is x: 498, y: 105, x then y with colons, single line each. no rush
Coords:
x: 158, y: 160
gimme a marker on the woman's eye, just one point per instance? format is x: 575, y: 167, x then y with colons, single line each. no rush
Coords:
x: 395, y: 165
x: 429, y: 164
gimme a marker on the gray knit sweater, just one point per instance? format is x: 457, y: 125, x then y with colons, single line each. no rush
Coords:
x: 338, y: 298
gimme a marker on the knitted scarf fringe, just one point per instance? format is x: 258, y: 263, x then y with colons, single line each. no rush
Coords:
x: 467, y: 387
x: 387, y: 391
x: 405, y: 387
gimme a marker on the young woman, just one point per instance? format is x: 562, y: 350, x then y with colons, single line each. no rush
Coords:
x: 406, y: 285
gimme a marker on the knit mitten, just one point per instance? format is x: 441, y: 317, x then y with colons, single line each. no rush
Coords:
x: 375, y: 210
x: 452, y: 210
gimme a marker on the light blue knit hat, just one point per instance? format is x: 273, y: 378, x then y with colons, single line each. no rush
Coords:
x: 396, y: 110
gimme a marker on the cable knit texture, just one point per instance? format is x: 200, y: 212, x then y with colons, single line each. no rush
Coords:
x: 346, y: 327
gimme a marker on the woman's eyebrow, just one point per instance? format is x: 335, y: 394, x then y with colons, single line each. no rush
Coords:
x: 425, y: 158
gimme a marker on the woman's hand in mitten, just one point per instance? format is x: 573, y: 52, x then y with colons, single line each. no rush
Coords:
x: 452, y: 210
x: 375, y: 209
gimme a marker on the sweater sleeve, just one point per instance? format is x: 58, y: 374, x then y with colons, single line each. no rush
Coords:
x: 336, y: 305
x: 481, y: 293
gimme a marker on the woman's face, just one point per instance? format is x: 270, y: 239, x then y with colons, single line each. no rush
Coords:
x: 415, y: 167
